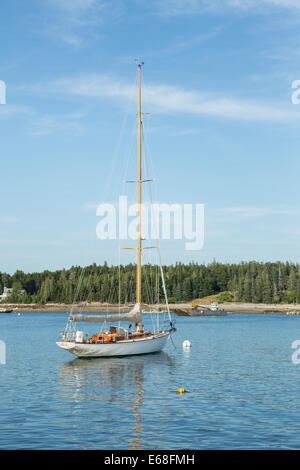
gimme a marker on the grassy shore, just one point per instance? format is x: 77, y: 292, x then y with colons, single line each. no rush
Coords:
x: 106, y: 308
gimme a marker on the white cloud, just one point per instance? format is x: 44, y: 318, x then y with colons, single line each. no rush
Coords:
x: 294, y: 4
x: 247, y: 212
x: 74, y: 5
x: 7, y: 110
x: 172, y: 99
x: 176, y: 7
x: 47, y: 124
x: 76, y: 22
x: 73, y: 40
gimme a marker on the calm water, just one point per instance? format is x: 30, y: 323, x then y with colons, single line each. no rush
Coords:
x: 244, y: 388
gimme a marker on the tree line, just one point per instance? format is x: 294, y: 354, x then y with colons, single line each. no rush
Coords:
x: 252, y: 281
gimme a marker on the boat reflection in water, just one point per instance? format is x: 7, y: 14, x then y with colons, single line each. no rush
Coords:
x: 120, y: 384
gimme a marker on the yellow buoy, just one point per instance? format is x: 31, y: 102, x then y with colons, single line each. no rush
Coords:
x: 180, y: 391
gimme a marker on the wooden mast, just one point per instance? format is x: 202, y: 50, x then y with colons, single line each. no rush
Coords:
x: 139, y: 248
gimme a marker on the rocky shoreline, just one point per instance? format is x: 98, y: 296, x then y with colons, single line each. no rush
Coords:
x: 289, y: 309
x: 95, y: 307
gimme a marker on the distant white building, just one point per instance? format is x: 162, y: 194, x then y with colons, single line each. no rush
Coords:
x: 8, y: 291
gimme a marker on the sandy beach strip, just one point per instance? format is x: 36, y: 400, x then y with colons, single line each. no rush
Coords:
x: 96, y: 307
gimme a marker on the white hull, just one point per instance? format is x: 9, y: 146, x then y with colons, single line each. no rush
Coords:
x: 147, y: 345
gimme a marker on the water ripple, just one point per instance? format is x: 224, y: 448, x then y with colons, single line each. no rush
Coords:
x: 242, y: 383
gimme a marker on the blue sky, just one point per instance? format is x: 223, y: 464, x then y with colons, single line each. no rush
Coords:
x: 222, y: 128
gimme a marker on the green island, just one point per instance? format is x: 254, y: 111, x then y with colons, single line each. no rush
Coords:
x: 244, y: 287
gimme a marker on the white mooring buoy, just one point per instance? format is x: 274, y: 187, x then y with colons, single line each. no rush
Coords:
x: 186, y: 344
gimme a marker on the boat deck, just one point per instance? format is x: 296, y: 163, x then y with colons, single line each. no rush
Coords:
x: 114, y: 338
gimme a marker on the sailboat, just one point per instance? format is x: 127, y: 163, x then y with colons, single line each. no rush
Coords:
x: 117, y: 340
